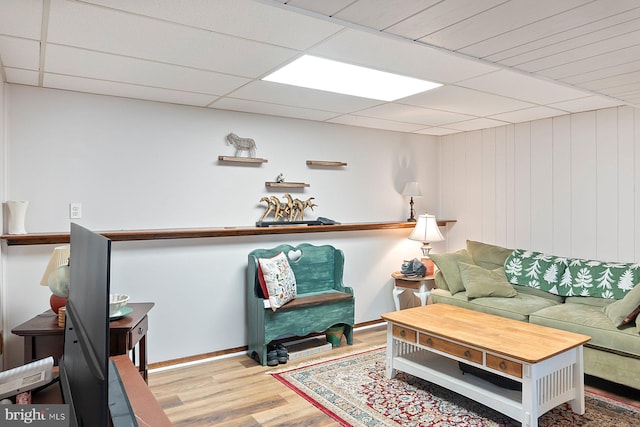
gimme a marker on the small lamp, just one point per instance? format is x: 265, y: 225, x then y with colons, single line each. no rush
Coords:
x: 411, y: 190
x: 426, y: 231
x: 56, y: 276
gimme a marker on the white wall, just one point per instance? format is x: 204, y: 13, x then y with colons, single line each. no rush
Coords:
x: 140, y: 165
x: 566, y: 185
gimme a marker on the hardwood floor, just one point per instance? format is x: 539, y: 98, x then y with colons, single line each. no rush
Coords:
x: 236, y: 391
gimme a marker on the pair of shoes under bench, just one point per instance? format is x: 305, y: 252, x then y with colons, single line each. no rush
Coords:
x: 277, y: 354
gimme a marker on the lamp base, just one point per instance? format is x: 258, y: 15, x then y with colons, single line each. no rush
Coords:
x: 56, y: 302
x: 429, y: 265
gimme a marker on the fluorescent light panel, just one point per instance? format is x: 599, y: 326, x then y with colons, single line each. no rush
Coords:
x: 333, y: 76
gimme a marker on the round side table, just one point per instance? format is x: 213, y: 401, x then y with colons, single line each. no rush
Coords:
x: 421, y: 287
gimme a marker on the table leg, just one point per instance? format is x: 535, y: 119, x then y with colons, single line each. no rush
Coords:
x: 529, y: 396
x: 142, y: 349
x: 577, y: 404
x: 422, y: 293
x: 396, y: 296
x: 391, y: 352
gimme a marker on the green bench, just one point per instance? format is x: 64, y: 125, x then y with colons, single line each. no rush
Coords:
x: 322, y: 300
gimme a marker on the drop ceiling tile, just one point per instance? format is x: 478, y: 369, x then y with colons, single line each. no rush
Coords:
x: 587, y: 104
x: 437, y: 131
x: 612, y: 81
x: 576, y: 50
x: 492, y: 22
x: 441, y: 15
x: 380, y: 14
x: 94, y: 28
x: 602, y: 72
x: 243, y: 18
x: 126, y: 90
x: 102, y: 66
x: 368, y: 122
x: 406, y: 58
x: 324, y: 7
x: 525, y: 87
x: 465, y: 101
x: 476, y: 124
x: 294, y: 96
x: 622, y: 90
x: 529, y: 114
x: 412, y: 114
x: 243, y: 105
x: 20, y: 53
x: 553, y: 31
x: 613, y: 58
x: 21, y: 18
x: 22, y: 77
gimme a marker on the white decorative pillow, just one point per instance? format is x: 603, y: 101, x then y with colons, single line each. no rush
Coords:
x: 279, y: 278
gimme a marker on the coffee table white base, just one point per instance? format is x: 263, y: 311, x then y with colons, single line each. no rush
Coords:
x: 545, y: 384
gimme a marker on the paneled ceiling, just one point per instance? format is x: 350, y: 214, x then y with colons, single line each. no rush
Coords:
x: 500, y: 61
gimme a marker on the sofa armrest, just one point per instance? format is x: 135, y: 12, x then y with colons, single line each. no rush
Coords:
x: 441, y: 292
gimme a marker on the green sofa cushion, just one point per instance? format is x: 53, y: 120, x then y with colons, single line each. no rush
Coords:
x: 448, y: 264
x: 594, y: 301
x: 518, y: 307
x: 480, y: 282
x: 591, y: 321
x: 486, y: 255
x: 538, y: 292
x: 624, y: 311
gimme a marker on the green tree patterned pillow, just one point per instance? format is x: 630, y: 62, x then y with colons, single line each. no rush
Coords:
x: 571, y: 276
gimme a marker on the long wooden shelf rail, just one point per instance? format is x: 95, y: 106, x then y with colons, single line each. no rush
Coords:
x: 197, y: 233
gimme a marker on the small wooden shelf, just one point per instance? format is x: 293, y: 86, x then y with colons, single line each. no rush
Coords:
x: 325, y: 163
x: 199, y: 233
x: 234, y: 159
x: 286, y: 184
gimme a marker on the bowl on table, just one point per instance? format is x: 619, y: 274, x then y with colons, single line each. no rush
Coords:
x: 116, y: 303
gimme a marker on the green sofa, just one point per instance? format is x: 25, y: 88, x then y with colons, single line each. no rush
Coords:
x: 594, y: 298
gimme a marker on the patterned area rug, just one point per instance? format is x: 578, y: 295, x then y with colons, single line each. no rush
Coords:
x: 355, y: 392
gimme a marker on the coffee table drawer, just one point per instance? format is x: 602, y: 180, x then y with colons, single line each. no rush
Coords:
x: 445, y: 346
x: 404, y: 333
x: 503, y: 365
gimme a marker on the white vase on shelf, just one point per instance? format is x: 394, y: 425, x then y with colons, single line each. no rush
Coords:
x: 17, y: 215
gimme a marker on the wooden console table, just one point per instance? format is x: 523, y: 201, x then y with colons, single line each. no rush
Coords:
x: 43, y: 337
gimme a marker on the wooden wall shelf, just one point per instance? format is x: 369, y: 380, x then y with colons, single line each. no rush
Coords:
x: 325, y: 163
x: 199, y: 233
x: 286, y: 184
x: 233, y: 159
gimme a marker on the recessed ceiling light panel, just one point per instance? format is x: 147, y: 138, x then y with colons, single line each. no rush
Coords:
x: 333, y: 76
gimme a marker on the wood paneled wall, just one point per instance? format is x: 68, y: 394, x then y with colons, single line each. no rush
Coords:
x: 568, y: 185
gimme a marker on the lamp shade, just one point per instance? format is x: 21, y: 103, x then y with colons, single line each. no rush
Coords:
x: 426, y: 229
x: 411, y: 189
x: 59, y: 257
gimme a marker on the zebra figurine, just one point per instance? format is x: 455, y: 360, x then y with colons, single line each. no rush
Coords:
x: 242, y: 144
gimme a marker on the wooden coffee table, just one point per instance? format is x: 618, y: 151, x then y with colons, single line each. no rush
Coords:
x: 428, y: 342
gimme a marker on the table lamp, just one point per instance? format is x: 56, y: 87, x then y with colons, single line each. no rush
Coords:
x: 426, y: 231
x: 411, y: 190
x: 56, y: 276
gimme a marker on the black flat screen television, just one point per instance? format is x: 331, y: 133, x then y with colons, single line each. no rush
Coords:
x: 85, y: 368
